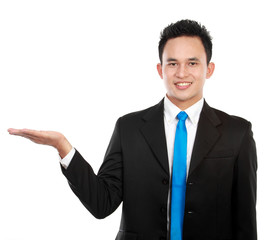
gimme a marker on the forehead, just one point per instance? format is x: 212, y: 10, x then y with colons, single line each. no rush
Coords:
x: 184, y: 47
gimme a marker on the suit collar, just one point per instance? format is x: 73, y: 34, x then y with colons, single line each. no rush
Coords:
x: 206, y: 137
x: 154, y: 112
x: 211, y: 115
x: 154, y: 133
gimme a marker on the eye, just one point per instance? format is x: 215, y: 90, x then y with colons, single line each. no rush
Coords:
x: 172, y: 64
x: 192, y: 64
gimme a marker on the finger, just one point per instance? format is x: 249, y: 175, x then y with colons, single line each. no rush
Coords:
x: 38, y: 140
x: 14, y: 131
x: 34, y: 136
x: 40, y: 137
x: 24, y: 132
x: 21, y: 132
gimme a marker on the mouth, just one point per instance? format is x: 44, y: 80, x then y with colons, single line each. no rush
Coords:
x: 183, y: 85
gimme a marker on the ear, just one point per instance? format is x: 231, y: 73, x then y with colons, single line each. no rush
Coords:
x: 160, y: 70
x: 210, y: 70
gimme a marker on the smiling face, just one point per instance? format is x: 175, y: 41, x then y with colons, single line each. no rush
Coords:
x: 184, y: 69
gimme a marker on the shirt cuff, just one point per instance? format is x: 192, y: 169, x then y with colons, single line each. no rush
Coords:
x: 67, y: 159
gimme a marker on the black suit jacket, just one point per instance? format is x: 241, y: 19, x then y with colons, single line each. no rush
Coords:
x: 221, y: 185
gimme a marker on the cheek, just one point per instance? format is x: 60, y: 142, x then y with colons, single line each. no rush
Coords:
x: 199, y: 75
x: 168, y: 74
x: 168, y: 84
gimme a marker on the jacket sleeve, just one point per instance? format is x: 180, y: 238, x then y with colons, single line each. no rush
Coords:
x: 244, y: 190
x: 101, y: 194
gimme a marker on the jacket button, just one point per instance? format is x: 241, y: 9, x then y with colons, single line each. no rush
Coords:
x: 190, y: 183
x: 163, y: 209
x: 165, y: 181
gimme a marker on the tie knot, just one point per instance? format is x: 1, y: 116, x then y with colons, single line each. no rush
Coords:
x: 182, y: 116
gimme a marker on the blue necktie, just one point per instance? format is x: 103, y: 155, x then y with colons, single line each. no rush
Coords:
x: 179, y: 178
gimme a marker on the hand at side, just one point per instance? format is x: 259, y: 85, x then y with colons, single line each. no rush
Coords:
x: 51, y: 138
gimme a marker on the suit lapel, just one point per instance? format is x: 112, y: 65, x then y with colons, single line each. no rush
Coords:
x: 154, y: 133
x: 206, y: 137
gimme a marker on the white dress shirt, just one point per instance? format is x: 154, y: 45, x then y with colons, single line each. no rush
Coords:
x: 170, y: 122
x: 67, y: 159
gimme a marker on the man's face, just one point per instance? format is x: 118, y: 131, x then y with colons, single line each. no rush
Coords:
x: 184, y: 70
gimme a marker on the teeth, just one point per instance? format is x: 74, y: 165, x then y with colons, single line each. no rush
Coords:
x: 183, y: 84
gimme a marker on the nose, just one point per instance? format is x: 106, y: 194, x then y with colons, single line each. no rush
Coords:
x: 181, y: 71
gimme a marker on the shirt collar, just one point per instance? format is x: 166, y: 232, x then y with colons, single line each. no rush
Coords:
x: 193, y: 112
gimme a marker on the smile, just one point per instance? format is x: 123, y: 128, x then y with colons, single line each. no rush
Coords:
x: 182, y: 84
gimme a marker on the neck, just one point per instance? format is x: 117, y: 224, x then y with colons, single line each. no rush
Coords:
x: 183, y: 105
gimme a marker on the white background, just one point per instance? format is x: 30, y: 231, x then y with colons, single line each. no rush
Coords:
x: 97, y: 60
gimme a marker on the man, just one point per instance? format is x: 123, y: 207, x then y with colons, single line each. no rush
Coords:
x: 182, y: 169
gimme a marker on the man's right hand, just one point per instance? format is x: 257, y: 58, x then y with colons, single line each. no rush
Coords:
x: 51, y: 138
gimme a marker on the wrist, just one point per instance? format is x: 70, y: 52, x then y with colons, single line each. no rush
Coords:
x: 63, y: 147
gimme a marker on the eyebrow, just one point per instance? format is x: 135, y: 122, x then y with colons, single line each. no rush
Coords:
x: 194, y: 59
x: 171, y: 60
x: 190, y: 59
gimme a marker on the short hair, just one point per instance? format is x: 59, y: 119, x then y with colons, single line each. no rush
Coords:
x: 186, y: 28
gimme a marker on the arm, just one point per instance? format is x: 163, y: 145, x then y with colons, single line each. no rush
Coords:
x: 244, y: 190
x: 101, y: 194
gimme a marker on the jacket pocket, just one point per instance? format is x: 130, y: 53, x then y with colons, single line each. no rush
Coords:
x: 124, y: 235
x: 229, y: 153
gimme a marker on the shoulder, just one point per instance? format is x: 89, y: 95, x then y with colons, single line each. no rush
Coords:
x: 231, y: 122
x: 225, y: 116
x: 145, y: 114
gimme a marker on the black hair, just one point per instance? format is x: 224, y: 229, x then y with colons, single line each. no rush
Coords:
x: 186, y: 28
